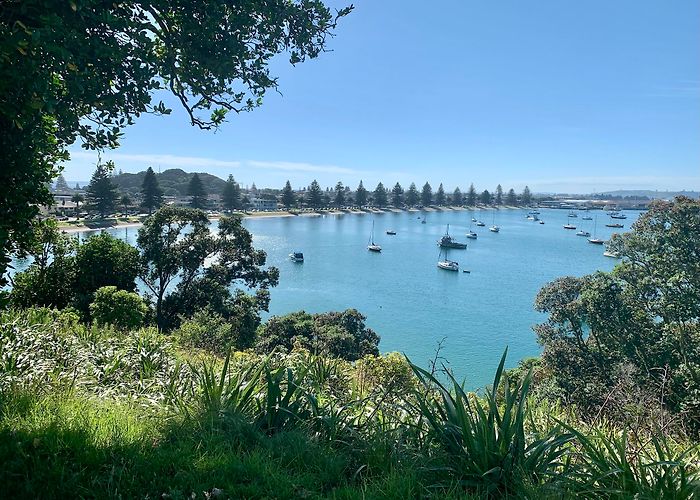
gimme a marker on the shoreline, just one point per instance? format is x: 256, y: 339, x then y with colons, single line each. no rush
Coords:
x: 74, y: 228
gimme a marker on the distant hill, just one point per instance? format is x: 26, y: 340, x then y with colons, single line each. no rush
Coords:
x: 640, y: 193
x: 174, y: 182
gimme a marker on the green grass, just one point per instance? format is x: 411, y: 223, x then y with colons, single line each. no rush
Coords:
x: 88, y: 412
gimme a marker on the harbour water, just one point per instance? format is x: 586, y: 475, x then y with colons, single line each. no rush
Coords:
x: 411, y: 303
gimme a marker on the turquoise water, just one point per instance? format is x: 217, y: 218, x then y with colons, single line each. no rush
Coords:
x: 411, y: 303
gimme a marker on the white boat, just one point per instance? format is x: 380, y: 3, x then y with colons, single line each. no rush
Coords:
x: 494, y: 228
x: 541, y: 222
x: 594, y: 240
x: 480, y: 224
x: 583, y: 233
x: 472, y: 235
x: 371, y: 245
x: 612, y: 255
x: 568, y: 224
x: 296, y: 256
x: 587, y: 217
x: 447, y: 264
x: 572, y: 214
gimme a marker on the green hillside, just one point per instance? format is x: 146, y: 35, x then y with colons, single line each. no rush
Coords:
x: 174, y: 182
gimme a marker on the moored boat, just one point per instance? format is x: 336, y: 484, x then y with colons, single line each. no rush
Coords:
x: 448, y: 242
x: 296, y: 256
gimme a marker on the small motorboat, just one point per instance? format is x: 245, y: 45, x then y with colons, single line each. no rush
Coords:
x: 494, y: 229
x: 618, y: 216
x: 615, y: 224
x: 587, y: 217
x: 583, y: 233
x: 480, y: 224
x: 296, y: 256
x: 471, y: 235
x: 541, y: 222
x: 569, y: 226
x: 473, y: 219
x: 391, y: 232
x: 596, y: 241
x: 572, y: 215
x: 612, y: 255
x: 466, y: 271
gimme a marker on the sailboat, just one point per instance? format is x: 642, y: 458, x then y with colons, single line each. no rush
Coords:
x: 447, y: 264
x: 447, y: 242
x: 594, y: 240
x: 371, y: 245
x: 583, y: 232
x: 569, y: 225
x: 471, y: 234
x: 494, y: 228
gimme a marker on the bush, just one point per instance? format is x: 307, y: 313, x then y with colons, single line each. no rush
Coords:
x: 125, y: 310
x: 336, y: 334
x: 206, y: 330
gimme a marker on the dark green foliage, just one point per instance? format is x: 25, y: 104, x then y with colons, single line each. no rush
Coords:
x: 174, y: 245
x: 151, y: 193
x: 380, y: 197
x: 498, y: 200
x: 101, y: 193
x: 361, y: 195
x: 85, y: 70
x: 426, y: 195
x: 485, y: 197
x: 339, y: 200
x: 231, y: 195
x: 511, y: 199
x: 103, y: 260
x: 440, y: 198
x: 337, y: 334
x: 457, y: 197
x: 630, y: 338
x: 526, y: 197
x: 314, y: 195
x: 471, y: 196
x: 288, y: 198
x: 50, y: 279
x: 124, y: 310
x: 197, y: 193
x: 412, y: 195
x: 397, y: 196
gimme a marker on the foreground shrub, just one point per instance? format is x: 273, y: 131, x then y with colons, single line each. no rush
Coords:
x: 125, y: 310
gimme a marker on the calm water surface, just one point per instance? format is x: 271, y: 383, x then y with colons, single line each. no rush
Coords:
x: 411, y: 303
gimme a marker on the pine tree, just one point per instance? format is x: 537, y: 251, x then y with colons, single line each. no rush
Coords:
x: 526, y: 196
x: 511, y: 199
x: 101, y: 192
x: 339, y: 200
x: 77, y: 198
x: 288, y: 198
x: 314, y: 195
x: 397, y: 196
x: 440, y: 196
x: 412, y: 195
x: 151, y: 193
x: 426, y: 195
x: 380, y: 196
x: 61, y: 185
x: 231, y: 195
x: 471, y: 196
x: 499, y: 195
x: 198, y: 196
x: 361, y: 195
x: 457, y: 198
x: 125, y: 201
x: 485, y: 197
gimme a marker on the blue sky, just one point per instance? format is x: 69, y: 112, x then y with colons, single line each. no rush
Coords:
x: 563, y: 96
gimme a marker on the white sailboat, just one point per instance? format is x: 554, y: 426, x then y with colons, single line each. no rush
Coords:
x: 471, y: 234
x: 371, y: 245
x: 494, y: 228
x: 568, y: 224
x: 447, y: 264
x: 594, y: 240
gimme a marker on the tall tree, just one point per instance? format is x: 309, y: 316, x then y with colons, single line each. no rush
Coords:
x: 151, y: 193
x: 314, y: 195
x: 288, y: 198
x: 499, y: 195
x: 102, y: 192
x: 361, y: 195
x: 339, y: 200
x: 397, y: 195
x: 526, y: 197
x: 485, y: 197
x: 198, y: 196
x: 457, y: 198
x: 380, y: 196
x: 440, y: 196
x: 125, y: 201
x: 412, y: 195
x: 471, y: 196
x: 231, y: 195
x: 85, y: 70
x: 511, y: 199
x: 426, y: 195
x: 61, y: 186
x: 77, y: 198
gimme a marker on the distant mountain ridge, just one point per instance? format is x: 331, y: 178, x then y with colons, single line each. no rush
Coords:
x: 664, y: 195
x: 173, y: 182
